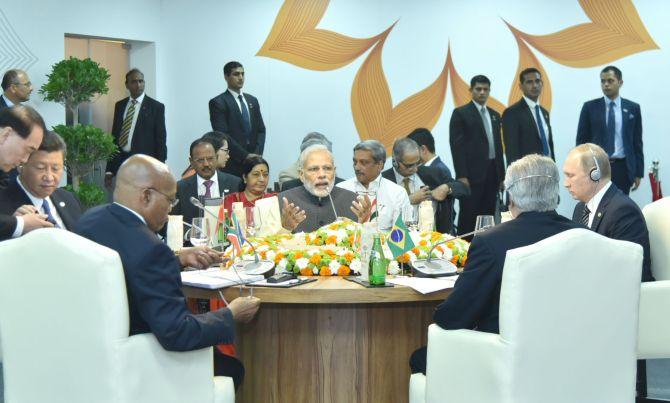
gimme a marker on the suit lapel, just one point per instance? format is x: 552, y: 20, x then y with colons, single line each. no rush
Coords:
x: 62, y: 209
x: 602, y: 208
x: 531, y: 119
x: 625, y: 112
x: 142, y: 116
x: 232, y: 104
x: 478, y: 118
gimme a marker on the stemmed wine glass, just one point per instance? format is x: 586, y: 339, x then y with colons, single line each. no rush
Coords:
x: 199, y: 232
x: 254, y: 221
x: 483, y: 222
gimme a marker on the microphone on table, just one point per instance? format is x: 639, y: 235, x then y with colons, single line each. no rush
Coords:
x: 431, y: 267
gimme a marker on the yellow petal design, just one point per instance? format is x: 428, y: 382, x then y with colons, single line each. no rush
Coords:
x: 371, y: 105
x: 527, y: 59
x: 295, y: 39
x: 460, y: 89
x: 615, y: 31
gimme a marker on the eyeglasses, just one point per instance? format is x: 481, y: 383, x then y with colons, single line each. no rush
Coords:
x: 225, y: 150
x: 173, y: 202
x: 412, y: 165
x: 26, y: 84
x: 201, y: 161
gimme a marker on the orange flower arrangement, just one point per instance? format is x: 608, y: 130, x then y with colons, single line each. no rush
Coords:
x: 315, y: 259
x: 343, y: 271
x: 325, y: 271
x: 306, y: 272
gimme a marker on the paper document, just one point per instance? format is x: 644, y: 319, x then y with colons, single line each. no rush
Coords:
x: 217, y: 278
x: 425, y: 285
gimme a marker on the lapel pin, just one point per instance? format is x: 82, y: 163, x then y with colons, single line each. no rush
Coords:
x: 62, y: 204
x: 600, y: 215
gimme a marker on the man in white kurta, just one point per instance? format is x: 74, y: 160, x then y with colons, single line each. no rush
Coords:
x: 391, y: 199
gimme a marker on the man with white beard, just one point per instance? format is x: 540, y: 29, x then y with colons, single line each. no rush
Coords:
x: 318, y: 202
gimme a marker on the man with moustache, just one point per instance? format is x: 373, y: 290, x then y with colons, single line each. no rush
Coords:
x: 526, y: 126
x: 21, y: 132
x: 36, y: 191
x: 391, y: 199
x: 476, y: 148
x: 318, y: 202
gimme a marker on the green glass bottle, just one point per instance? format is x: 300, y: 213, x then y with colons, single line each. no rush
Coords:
x: 378, y: 263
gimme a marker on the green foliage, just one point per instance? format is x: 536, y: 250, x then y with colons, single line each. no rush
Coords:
x: 89, y: 194
x: 86, y: 143
x: 74, y: 81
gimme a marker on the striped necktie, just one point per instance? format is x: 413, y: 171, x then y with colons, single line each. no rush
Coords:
x: 47, y: 211
x: 585, y: 216
x: 127, y: 122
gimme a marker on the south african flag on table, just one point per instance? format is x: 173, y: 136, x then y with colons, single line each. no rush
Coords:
x: 399, y: 240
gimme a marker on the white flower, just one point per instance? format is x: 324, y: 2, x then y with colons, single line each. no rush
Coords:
x: 302, y: 263
x: 412, y: 256
x: 447, y: 254
x: 341, y: 235
x: 262, y: 248
x: 315, y: 271
x: 271, y: 255
x: 355, y: 265
x: 341, y: 252
x: 334, y: 266
x: 393, y: 268
x: 282, y: 263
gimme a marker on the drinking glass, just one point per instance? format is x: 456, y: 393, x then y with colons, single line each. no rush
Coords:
x: 199, y: 232
x: 410, y: 217
x: 483, y: 222
x: 253, y: 221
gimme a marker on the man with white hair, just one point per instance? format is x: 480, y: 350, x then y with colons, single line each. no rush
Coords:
x: 318, y: 202
x: 532, y: 184
x: 392, y: 200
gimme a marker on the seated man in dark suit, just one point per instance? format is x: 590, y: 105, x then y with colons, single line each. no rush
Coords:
x: 143, y: 197
x: 21, y: 132
x: 208, y: 182
x: 36, y: 191
x: 318, y: 202
x: 602, y: 206
x: 437, y: 176
x: 532, y: 183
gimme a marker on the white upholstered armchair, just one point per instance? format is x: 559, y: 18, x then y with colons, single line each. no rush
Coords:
x: 654, y: 336
x: 568, y: 330
x: 64, y: 331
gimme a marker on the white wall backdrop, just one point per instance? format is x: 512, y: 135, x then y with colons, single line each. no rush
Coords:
x: 193, y: 40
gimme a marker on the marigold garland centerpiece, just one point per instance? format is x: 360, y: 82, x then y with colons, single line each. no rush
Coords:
x: 332, y: 250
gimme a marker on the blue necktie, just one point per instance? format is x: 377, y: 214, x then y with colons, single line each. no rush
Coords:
x: 47, y: 211
x: 609, y: 136
x: 245, y: 115
x: 543, y: 135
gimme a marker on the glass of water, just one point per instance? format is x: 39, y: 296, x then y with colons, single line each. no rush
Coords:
x: 199, y: 232
x: 483, y: 222
x: 410, y: 218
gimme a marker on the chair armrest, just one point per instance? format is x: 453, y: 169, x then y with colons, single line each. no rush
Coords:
x: 417, y: 388
x: 467, y: 366
x: 654, y: 328
x: 184, y: 376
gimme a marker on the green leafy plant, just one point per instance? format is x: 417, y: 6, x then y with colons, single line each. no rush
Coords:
x: 74, y: 81
x: 86, y: 144
x: 89, y: 194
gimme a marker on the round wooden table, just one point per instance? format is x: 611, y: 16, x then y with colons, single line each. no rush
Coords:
x: 330, y: 341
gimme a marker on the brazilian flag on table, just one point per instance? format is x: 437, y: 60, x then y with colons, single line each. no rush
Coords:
x: 399, y: 240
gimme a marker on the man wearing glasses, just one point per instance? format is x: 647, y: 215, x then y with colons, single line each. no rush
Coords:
x: 208, y: 182
x: 406, y: 161
x: 16, y: 88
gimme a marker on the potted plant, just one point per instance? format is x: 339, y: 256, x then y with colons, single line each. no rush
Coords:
x: 70, y: 83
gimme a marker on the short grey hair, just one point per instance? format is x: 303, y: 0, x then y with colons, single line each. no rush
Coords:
x: 311, y: 149
x: 532, y: 183
x: 403, y: 146
x: 375, y: 147
x: 314, y: 138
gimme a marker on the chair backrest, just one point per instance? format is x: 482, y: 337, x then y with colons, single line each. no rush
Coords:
x: 569, y: 312
x: 657, y: 216
x: 63, y: 309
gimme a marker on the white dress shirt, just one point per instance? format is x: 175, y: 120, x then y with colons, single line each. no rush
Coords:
x: 37, y: 202
x: 618, y: 136
x: 236, y: 95
x: 531, y: 105
x: 488, y: 128
x: 213, y: 190
x: 391, y: 198
x: 132, y: 211
x: 7, y: 101
x: 593, y: 204
x: 138, y: 105
x: 430, y: 161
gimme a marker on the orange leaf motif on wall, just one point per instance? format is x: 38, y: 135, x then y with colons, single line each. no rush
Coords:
x: 615, y: 31
x: 295, y: 39
x: 371, y: 104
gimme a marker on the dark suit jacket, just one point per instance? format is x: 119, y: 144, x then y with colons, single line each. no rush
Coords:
x: 3, y: 104
x: 592, y: 129
x: 469, y: 145
x: 618, y: 217
x: 156, y: 303
x: 187, y: 188
x: 149, y: 137
x: 14, y: 197
x: 294, y: 183
x: 7, y: 226
x: 225, y: 116
x: 475, y: 299
x: 521, y: 134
